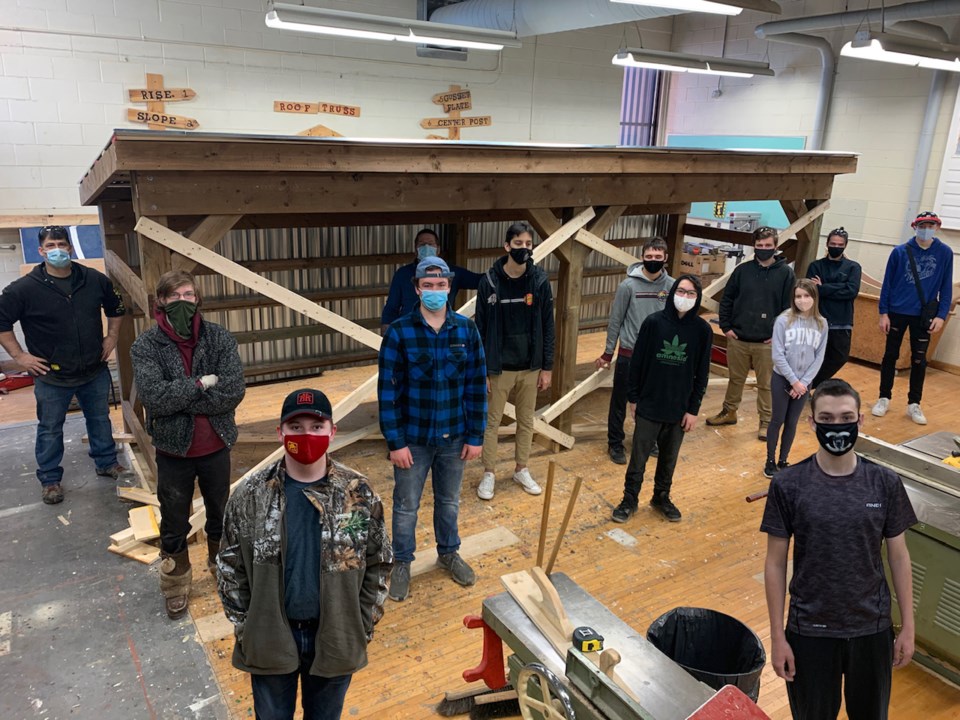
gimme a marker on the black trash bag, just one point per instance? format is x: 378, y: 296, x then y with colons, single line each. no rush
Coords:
x: 715, y: 648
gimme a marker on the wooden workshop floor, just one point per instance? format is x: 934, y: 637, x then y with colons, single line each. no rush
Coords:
x: 713, y: 558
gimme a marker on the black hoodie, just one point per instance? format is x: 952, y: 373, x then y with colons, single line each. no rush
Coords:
x: 671, y: 361
x: 753, y: 298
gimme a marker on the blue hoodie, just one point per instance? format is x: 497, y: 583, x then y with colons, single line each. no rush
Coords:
x: 935, y: 267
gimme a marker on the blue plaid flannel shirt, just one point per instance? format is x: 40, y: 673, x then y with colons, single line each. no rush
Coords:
x: 433, y: 385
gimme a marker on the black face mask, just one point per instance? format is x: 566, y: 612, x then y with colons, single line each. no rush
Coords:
x: 653, y: 266
x: 835, y: 252
x: 520, y: 255
x: 837, y: 438
x: 764, y: 255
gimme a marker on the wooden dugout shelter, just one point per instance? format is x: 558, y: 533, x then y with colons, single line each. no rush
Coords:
x: 159, y: 185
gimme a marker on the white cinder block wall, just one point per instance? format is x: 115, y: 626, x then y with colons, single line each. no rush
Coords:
x: 877, y: 111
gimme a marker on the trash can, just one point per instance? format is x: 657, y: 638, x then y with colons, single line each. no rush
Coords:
x: 715, y: 648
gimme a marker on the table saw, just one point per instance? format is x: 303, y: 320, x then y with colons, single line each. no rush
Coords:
x: 662, y: 689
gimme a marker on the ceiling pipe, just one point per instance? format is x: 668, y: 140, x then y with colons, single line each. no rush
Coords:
x: 925, y: 145
x: 538, y: 17
x: 927, y: 31
x: 828, y: 74
x: 897, y: 13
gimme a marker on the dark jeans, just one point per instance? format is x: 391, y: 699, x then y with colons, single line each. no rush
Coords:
x: 447, y: 474
x: 864, y: 666
x: 618, y: 402
x: 835, y: 357
x: 175, y: 476
x: 786, y: 415
x: 52, y: 404
x: 919, y: 341
x: 275, y: 696
x: 668, y: 437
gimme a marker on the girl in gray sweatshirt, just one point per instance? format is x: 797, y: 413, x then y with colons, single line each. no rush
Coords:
x: 798, y: 346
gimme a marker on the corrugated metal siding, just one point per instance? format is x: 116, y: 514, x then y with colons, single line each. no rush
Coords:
x: 638, y: 106
x: 293, y: 243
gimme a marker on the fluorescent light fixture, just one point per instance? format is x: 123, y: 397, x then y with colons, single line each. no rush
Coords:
x: 887, y: 47
x: 697, y: 64
x: 340, y: 23
x: 704, y: 6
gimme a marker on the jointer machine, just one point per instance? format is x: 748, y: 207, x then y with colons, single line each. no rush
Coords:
x: 629, y: 679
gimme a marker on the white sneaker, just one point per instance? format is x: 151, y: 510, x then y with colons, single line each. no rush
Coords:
x: 485, y: 489
x: 880, y: 409
x: 524, y: 480
x: 916, y: 414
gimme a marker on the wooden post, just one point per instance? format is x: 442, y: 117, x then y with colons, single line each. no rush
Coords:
x: 808, y: 237
x: 674, y: 240
x: 458, y: 244
x: 573, y: 257
x: 155, y: 259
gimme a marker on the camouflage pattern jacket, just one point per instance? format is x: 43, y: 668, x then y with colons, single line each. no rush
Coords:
x: 356, y: 558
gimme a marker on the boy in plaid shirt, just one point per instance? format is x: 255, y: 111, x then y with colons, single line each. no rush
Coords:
x: 433, y: 405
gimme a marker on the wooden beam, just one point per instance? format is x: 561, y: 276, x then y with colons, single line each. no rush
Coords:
x: 16, y: 222
x: 218, y: 192
x: 808, y: 236
x: 143, y: 440
x: 724, y: 235
x: 675, y: 239
x: 569, y: 297
x: 233, y: 271
x: 208, y: 233
x: 120, y: 273
x: 803, y: 220
x: 594, y: 242
x: 117, y: 218
x: 584, y: 388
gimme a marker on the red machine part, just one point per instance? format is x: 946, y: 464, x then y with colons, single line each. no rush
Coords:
x: 729, y: 704
x: 490, y: 669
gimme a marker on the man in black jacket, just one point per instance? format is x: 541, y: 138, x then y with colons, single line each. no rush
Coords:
x: 669, y: 370
x: 515, y: 320
x: 59, y: 308
x: 190, y: 380
x: 755, y: 294
x: 838, y: 281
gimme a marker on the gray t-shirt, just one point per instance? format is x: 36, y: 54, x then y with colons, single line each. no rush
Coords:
x: 838, y: 524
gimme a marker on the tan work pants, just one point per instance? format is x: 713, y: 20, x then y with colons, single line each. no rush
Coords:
x: 524, y: 385
x: 741, y: 358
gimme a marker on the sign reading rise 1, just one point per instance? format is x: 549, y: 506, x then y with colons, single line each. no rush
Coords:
x: 452, y: 102
x: 155, y: 95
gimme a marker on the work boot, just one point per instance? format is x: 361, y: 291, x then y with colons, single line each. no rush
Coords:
x: 623, y: 511
x: 213, y: 548
x: 400, y: 581
x: 461, y: 573
x: 617, y: 454
x: 661, y: 502
x: 724, y: 417
x: 762, y: 430
x: 113, y: 472
x: 176, y: 575
x: 51, y: 493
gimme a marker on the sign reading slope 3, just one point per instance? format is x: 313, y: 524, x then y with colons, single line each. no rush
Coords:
x: 153, y: 118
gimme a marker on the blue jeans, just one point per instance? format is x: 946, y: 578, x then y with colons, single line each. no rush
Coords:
x: 275, y: 696
x: 52, y: 404
x: 408, y: 487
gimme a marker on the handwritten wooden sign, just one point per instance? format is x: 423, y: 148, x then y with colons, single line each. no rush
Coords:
x: 285, y: 106
x: 139, y: 95
x: 153, y: 118
x: 457, y: 106
x: 452, y: 97
x: 463, y: 122
x: 337, y: 109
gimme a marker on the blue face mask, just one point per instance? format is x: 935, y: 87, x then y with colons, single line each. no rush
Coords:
x: 58, y: 258
x: 925, y: 234
x: 426, y: 251
x: 433, y: 300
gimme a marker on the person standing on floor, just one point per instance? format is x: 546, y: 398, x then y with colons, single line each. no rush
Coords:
x: 668, y: 377
x: 839, y: 509
x: 515, y: 320
x: 403, y: 295
x: 303, y: 569
x: 432, y: 397
x: 838, y: 284
x: 916, y: 295
x: 756, y: 293
x: 190, y: 380
x: 58, y: 305
x: 643, y: 293
x: 798, y: 348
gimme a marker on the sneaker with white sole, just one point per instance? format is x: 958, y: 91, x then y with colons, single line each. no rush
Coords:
x: 916, y: 414
x: 526, y: 481
x: 485, y: 488
x: 881, y: 407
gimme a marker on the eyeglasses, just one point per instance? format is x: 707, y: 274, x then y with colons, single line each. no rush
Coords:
x: 686, y: 293
x: 189, y: 295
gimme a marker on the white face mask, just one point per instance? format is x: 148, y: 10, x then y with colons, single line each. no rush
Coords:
x: 925, y: 233
x: 684, y: 304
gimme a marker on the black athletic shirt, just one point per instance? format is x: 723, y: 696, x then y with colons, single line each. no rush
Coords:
x: 838, y: 524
